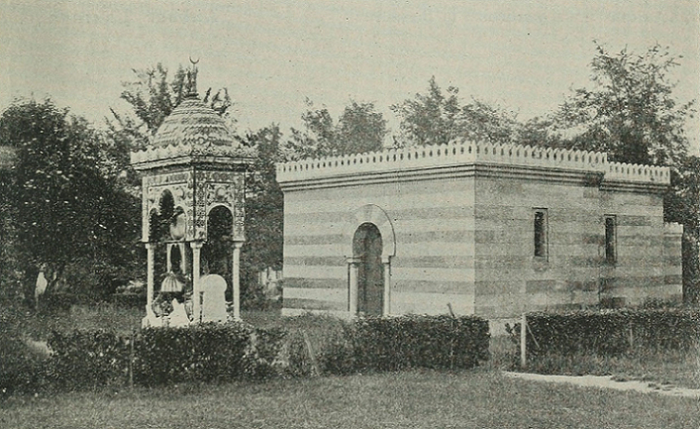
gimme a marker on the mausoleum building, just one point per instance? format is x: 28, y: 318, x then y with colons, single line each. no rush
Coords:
x: 491, y: 230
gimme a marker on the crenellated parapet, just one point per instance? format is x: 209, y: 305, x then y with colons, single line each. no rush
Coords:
x: 618, y: 171
x: 469, y: 153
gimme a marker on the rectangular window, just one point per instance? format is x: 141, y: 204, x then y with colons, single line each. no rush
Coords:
x: 610, y: 239
x: 541, y: 233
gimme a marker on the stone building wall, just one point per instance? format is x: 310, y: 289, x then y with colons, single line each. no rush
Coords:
x: 509, y: 277
x: 457, y: 225
x: 575, y: 271
x: 433, y: 268
x: 643, y: 257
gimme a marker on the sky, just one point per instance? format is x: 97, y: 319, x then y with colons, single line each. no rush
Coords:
x: 525, y: 56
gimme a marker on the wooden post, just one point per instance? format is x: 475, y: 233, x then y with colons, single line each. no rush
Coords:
x: 523, y: 341
x: 312, y: 356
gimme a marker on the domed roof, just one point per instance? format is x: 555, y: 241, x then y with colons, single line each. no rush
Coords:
x: 193, y: 123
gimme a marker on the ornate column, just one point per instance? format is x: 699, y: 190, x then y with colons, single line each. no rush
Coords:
x: 150, y: 266
x: 169, y: 262
x: 353, y: 268
x: 387, y: 285
x: 236, y: 281
x: 196, y: 294
x: 183, y: 257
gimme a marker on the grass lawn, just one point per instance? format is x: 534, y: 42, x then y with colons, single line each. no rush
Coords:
x: 679, y: 368
x: 417, y: 399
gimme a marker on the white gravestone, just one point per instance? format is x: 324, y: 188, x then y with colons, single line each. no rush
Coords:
x: 178, y: 317
x: 214, y: 305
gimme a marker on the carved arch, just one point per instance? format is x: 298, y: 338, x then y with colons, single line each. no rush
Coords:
x: 150, y: 224
x: 215, y: 205
x: 371, y: 213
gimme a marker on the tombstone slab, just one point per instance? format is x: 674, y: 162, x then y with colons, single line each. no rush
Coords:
x: 214, y: 301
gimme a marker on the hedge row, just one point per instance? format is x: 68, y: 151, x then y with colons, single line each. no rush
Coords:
x: 218, y: 353
x: 375, y: 344
x: 438, y: 342
x: 159, y: 356
x: 610, y: 333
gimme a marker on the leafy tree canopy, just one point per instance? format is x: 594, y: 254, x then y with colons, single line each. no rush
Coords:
x: 439, y: 117
x: 630, y: 112
x: 264, y: 210
x: 360, y: 128
x: 66, y: 207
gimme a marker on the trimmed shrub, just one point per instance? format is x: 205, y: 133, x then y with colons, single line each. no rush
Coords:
x: 88, y: 359
x: 337, y: 356
x: 201, y: 353
x: 162, y: 356
x: 412, y: 341
x: 297, y: 357
x: 309, y: 345
x: 610, y: 333
x: 385, y: 344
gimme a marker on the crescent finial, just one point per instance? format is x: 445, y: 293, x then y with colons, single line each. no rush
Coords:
x: 192, y: 77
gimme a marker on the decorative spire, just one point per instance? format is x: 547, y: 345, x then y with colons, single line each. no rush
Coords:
x: 192, y: 79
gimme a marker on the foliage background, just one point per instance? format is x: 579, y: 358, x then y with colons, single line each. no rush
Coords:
x: 70, y: 198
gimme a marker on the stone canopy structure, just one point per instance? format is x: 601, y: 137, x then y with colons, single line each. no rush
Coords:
x: 193, y: 190
x: 485, y: 229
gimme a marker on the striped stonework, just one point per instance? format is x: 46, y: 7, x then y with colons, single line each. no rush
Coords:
x: 457, y: 226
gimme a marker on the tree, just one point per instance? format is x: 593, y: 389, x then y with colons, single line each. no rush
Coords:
x: 438, y: 118
x: 264, y: 212
x: 631, y: 113
x: 67, y: 211
x: 10, y: 254
x: 359, y: 129
x: 431, y: 118
x: 540, y: 132
x: 682, y: 205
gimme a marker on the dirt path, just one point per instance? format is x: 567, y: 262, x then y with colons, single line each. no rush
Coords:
x: 607, y: 382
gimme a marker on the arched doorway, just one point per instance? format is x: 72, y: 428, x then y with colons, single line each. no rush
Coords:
x: 367, y: 251
x: 216, y: 252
